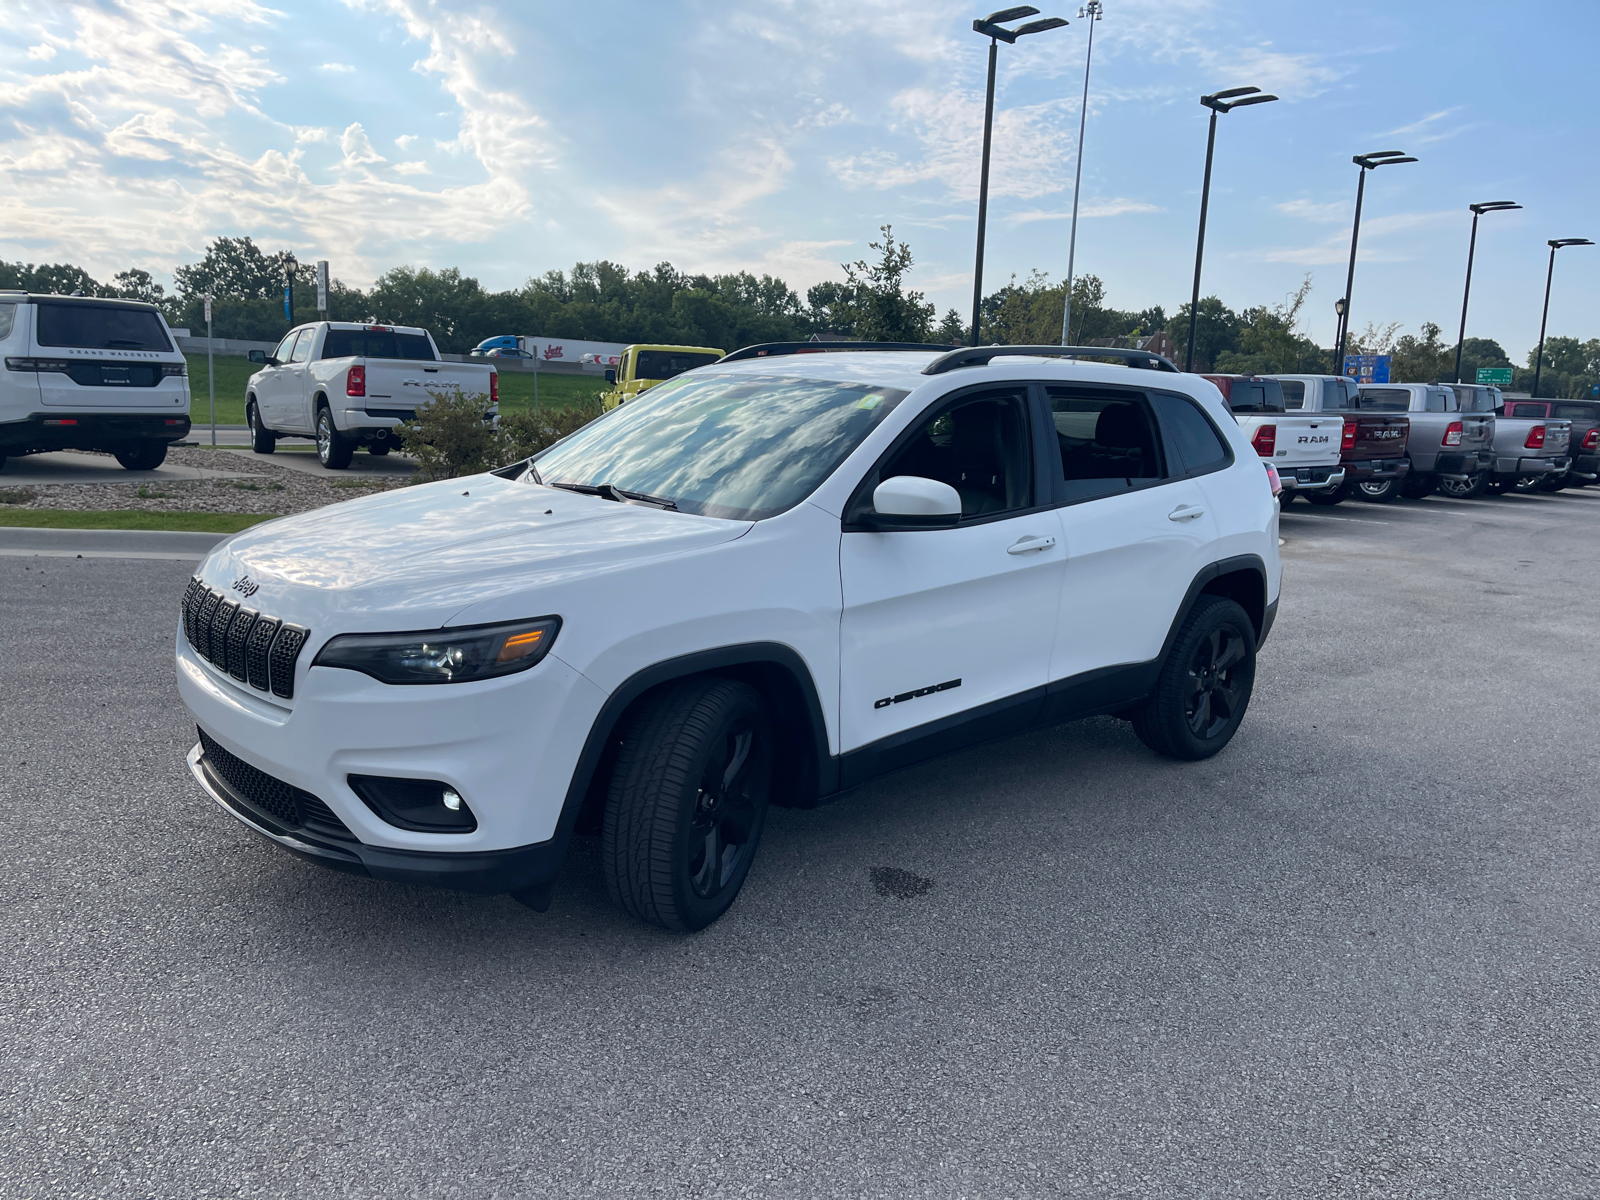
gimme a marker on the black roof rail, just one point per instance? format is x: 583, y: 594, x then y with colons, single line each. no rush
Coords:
x: 776, y: 349
x: 978, y: 356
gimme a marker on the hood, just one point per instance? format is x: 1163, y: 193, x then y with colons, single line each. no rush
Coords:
x: 421, y: 554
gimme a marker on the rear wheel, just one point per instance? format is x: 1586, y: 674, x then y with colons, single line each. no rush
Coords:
x: 1465, y: 489
x: 1205, y: 684
x: 1379, y: 491
x: 1554, y: 483
x: 333, y: 449
x: 262, y: 439
x: 142, y: 456
x: 686, y: 804
x: 378, y: 449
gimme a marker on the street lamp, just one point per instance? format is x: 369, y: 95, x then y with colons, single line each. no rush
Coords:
x: 1217, y: 102
x: 1477, y: 211
x: 992, y: 29
x: 1555, y: 244
x: 1367, y: 162
x: 1091, y: 12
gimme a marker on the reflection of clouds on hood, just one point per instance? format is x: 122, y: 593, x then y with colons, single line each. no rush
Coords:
x: 752, y: 444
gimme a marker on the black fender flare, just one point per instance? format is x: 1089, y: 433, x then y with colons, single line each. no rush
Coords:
x: 1225, y: 566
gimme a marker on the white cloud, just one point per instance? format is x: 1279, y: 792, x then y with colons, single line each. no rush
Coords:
x: 1101, y: 208
x: 1374, y: 230
x: 404, y: 140
x: 1326, y: 212
x: 43, y: 52
x: 1427, y: 130
x: 338, y: 68
x: 357, y: 147
x: 412, y: 168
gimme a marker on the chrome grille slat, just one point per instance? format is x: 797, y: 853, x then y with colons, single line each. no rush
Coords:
x: 248, y: 645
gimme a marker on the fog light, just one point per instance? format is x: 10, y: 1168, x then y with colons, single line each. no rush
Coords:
x: 423, y: 805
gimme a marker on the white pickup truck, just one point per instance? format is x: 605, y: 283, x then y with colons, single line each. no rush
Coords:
x: 349, y: 385
x: 1303, y: 448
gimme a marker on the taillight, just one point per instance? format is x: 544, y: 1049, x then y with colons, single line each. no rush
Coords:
x: 1348, y: 441
x: 1272, y: 478
x: 355, y: 383
x: 1592, y: 438
x: 1452, y: 436
x: 494, y: 387
x: 168, y: 369
x: 1266, y: 441
x: 1535, y: 438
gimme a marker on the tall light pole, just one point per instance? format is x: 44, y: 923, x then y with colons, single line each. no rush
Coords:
x: 1217, y: 102
x: 1091, y: 12
x: 1477, y: 211
x: 1367, y: 162
x: 990, y: 27
x: 1555, y: 244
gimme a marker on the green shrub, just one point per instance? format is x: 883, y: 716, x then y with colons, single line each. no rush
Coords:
x: 449, y: 437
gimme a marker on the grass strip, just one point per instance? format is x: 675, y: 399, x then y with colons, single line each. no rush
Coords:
x: 180, y: 522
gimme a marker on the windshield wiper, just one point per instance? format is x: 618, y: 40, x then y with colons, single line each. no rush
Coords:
x: 607, y: 491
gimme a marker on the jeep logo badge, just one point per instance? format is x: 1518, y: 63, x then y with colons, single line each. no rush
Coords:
x: 246, y: 586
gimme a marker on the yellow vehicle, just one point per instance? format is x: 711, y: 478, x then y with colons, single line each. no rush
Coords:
x: 642, y: 367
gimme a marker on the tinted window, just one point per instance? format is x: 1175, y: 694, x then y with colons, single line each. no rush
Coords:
x: 1475, y: 399
x: 1574, y: 412
x: 1294, y: 393
x: 302, y: 348
x: 1527, y: 410
x: 979, y: 446
x: 737, y: 446
x: 1193, y: 444
x: 1435, y: 402
x: 1340, y: 394
x: 668, y: 364
x: 8, y: 316
x: 1107, y: 442
x: 101, y: 327
x: 1385, y: 400
x: 363, y: 343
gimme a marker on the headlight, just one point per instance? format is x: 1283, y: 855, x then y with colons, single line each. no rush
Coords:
x: 443, y: 655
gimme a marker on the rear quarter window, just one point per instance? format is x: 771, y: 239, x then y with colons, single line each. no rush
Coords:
x: 1294, y: 393
x: 1194, y: 447
x: 8, y: 318
x: 100, y: 327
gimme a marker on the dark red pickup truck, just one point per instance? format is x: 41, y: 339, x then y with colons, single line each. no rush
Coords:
x: 1373, y: 453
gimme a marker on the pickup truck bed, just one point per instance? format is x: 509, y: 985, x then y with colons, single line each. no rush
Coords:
x: 1302, y: 447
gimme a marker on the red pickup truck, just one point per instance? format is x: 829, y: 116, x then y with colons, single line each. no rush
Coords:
x: 1373, y: 453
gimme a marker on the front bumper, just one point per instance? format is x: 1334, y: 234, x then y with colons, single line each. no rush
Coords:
x: 519, y: 869
x: 1311, y: 479
x: 39, y: 433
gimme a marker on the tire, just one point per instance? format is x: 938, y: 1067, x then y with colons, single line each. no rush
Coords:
x: 692, y: 741
x: 262, y: 439
x: 378, y: 449
x: 334, y: 450
x: 142, y: 456
x: 1465, y: 489
x: 1555, y: 483
x: 1417, y: 485
x: 1337, y: 496
x: 1378, y: 491
x: 1204, y: 687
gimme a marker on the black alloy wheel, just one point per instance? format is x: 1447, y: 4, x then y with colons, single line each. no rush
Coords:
x: 687, y: 801
x: 262, y: 439
x: 1465, y: 489
x: 1205, y: 685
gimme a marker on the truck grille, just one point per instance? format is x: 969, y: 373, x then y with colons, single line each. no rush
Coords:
x: 283, y: 802
x: 253, y: 648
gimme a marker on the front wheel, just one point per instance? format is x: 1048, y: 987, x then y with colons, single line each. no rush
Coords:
x: 1205, y: 684
x: 143, y: 456
x: 686, y: 803
x: 1465, y: 489
x: 262, y: 439
x: 333, y: 448
x: 1379, y: 491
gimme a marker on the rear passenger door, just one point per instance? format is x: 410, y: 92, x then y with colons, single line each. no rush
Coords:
x: 271, y: 383
x: 1134, y: 516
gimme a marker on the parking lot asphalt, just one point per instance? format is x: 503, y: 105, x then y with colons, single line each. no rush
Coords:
x: 1355, y: 955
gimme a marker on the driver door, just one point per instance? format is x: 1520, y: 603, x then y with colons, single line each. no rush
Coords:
x: 271, y: 383
x: 942, y: 623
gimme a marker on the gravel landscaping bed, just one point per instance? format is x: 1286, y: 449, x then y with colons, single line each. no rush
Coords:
x: 269, y: 489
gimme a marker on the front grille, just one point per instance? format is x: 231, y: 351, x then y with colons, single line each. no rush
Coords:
x: 253, y: 648
x: 283, y: 802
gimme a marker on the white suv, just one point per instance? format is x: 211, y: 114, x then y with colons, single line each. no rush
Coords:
x: 774, y: 577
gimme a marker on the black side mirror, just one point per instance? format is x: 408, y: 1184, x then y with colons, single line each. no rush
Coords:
x: 258, y: 356
x: 611, y: 375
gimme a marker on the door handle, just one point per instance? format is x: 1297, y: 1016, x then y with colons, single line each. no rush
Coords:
x: 1186, y: 512
x: 1030, y: 545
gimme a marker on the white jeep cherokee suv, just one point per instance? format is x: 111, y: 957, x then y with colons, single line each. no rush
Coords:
x: 772, y: 578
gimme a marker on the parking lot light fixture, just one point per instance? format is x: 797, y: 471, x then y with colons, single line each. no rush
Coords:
x: 1472, y: 244
x: 1217, y: 102
x: 993, y: 28
x: 1554, y: 244
x: 1367, y: 162
x: 1091, y: 12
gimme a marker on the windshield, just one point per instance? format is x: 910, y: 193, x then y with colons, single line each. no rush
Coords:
x: 364, y: 343
x: 737, y: 446
x: 667, y: 364
x: 101, y: 327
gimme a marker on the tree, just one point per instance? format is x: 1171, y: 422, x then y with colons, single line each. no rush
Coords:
x: 50, y: 279
x: 872, y: 303
x: 1270, y: 341
x: 1216, y: 331
x: 1480, y: 352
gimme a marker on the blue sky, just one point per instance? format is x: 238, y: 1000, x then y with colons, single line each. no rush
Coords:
x: 776, y: 136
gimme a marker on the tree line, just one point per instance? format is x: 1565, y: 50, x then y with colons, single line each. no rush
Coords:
x: 604, y: 301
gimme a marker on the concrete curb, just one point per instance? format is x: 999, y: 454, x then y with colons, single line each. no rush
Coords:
x: 106, y: 543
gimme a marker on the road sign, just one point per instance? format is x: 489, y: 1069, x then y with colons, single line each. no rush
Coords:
x: 322, y: 285
x: 1495, y: 376
x: 1368, y: 368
